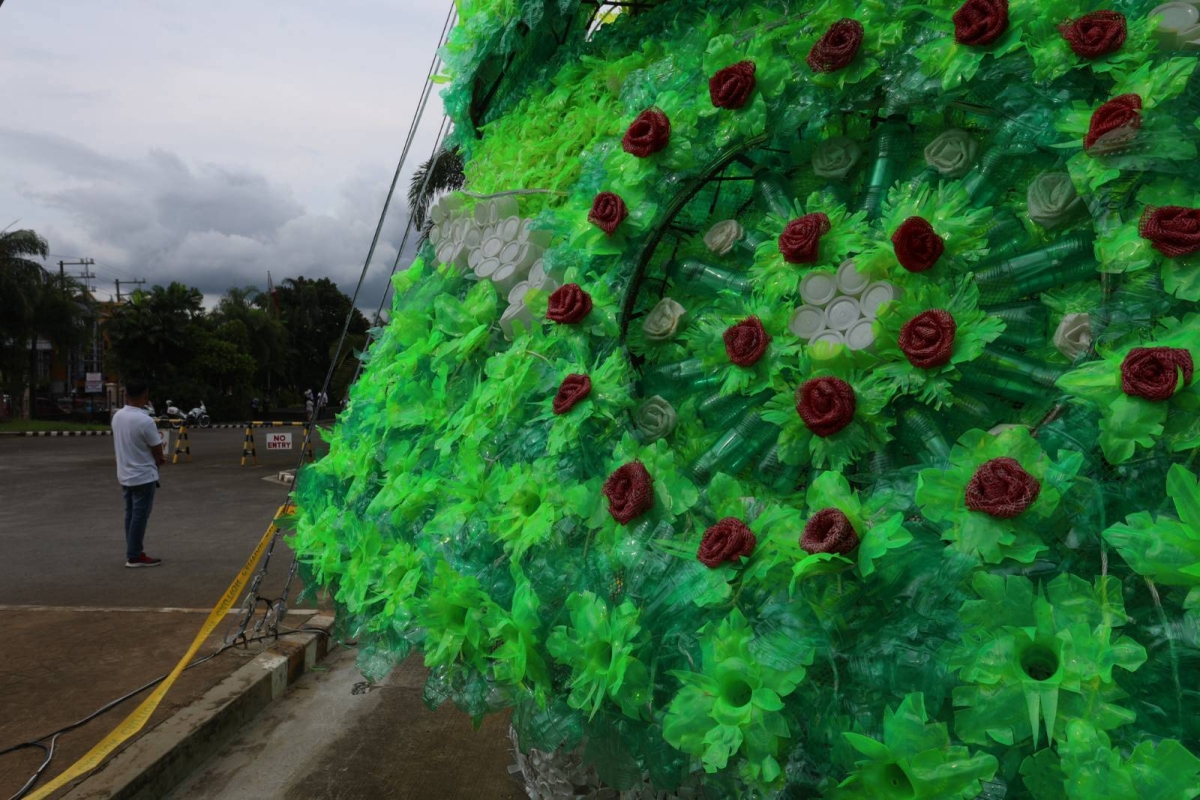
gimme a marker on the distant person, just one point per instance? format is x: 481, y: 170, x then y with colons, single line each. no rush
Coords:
x: 139, y: 455
x: 150, y: 408
x: 254, y: 407
x: 308, y: 405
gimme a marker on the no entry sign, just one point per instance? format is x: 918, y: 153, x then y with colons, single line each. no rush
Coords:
x: 279, y: 441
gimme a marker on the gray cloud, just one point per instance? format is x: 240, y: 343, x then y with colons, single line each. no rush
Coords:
x: 211, y: 226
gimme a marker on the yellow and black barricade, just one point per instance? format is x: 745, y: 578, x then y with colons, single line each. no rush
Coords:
x: 250, y: 447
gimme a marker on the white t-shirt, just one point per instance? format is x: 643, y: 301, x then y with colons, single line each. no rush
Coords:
x: 134, y: 433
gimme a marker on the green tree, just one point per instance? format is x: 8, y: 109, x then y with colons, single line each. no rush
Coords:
x: 36, y: 304
x: 266, y: 337
x: 313, y: 313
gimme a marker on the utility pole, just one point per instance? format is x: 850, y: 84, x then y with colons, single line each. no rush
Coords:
x: 62, y: 285
x: 138, y: 282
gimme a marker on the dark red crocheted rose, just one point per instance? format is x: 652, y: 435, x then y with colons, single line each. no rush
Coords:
x: 728, y: 540
x: 746, y: 341
x: 731, y: 87
x: 1002, y: 488
x: 630, y: 492
x: 1116, y: 121
x: 829, y: 531
x: 607, y: 212
x: 917, y: 245
x: 826, y: 405
x: 978, y: 23
x: 569, y: 304
x: 837, y: 48
x: 801, y: 238
x: 927, y: 340
x: 1153, y: 372
x: 574, y: 388
x: 1172, y: 230
x: 1096, y: 34
x: 648, y: 134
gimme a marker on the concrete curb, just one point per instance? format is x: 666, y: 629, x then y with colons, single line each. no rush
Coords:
x: 163, y: 757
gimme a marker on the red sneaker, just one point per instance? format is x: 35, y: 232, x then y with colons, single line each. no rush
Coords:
x: 143, y: 561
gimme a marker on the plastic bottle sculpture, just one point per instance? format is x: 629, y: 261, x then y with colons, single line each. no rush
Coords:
x: 845, y: 443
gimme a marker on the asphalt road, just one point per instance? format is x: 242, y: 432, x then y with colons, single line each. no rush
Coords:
x: 62, y: 522
x: 79, y: 628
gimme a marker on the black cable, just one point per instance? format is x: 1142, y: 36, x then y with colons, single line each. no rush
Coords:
x: 53, y: 737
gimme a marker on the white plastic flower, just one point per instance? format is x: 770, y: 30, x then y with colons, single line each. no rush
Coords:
x: 1052, y: 199
x: 1074, y: 335
x: 655, y: 419
x: 722, y: 236
x: 663, y: 320
x: 835, y: 157
x: 952, y: 153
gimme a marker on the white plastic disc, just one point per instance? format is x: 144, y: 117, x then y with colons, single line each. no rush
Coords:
x: 841, y: 313
x: 807, y: 321
x: 817, y: 288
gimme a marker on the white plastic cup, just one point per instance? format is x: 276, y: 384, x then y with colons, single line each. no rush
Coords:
x: 487, y: 267
x: 849, y: 280
x: 491, y: 247
x: 471, y: 236
x: 1179, y: 27
x: 505, y: 277
x: 517, y: 293
x: 483, y: 212
x: 514, y: 313
x: 526, y: 256
x: 875, y: 296
x: 510, y: 253
x: 830, y: 337
x: 807, y: 321
x: 435, y: 235
x: 860, y: 336
x: 510, y: 228
x: 841, y: 313
x: 474, y: 259
x: 506, y: 206
x: 817, y: 288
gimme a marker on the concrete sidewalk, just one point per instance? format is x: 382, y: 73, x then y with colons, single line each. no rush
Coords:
x: 327, y: 739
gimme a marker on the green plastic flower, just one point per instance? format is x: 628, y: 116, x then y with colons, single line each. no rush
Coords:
x: 610, y: 398
x: 974, y: 329
x: 1128, y: 422
x: 730, y: 708
x: 707, y: 340
x: 457, y: 616
x: 1166, y: 550
x: 915, y: 760
x: 773, y: 278
x: 1121, y: 248
x: 1155, y: 83
x: 1053, y: 57
x: 947, y: 207
x: 602, y: 647
x: 517, y: 658
x: 942, y: 495
x: 527, y: 502
x: 1027, y: 658
x: 877, y: 525
x: 867, y: 431
x: 956, y: 64
x: 1085, y: 766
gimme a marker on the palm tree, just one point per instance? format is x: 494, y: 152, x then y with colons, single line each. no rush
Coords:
x: 445, y: 174
x: 22, y: 286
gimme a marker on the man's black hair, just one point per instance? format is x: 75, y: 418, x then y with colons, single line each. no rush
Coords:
x: 136, y: 387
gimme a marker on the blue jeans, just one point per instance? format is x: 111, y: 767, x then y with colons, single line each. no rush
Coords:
x: 138, y: 502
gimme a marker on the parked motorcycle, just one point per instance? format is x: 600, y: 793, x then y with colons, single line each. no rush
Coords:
x: 196, y: 418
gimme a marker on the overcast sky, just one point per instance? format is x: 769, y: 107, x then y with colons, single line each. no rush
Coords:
x: 211, y: 142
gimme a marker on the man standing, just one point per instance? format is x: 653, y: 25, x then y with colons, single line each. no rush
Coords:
x: 139, y: 455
